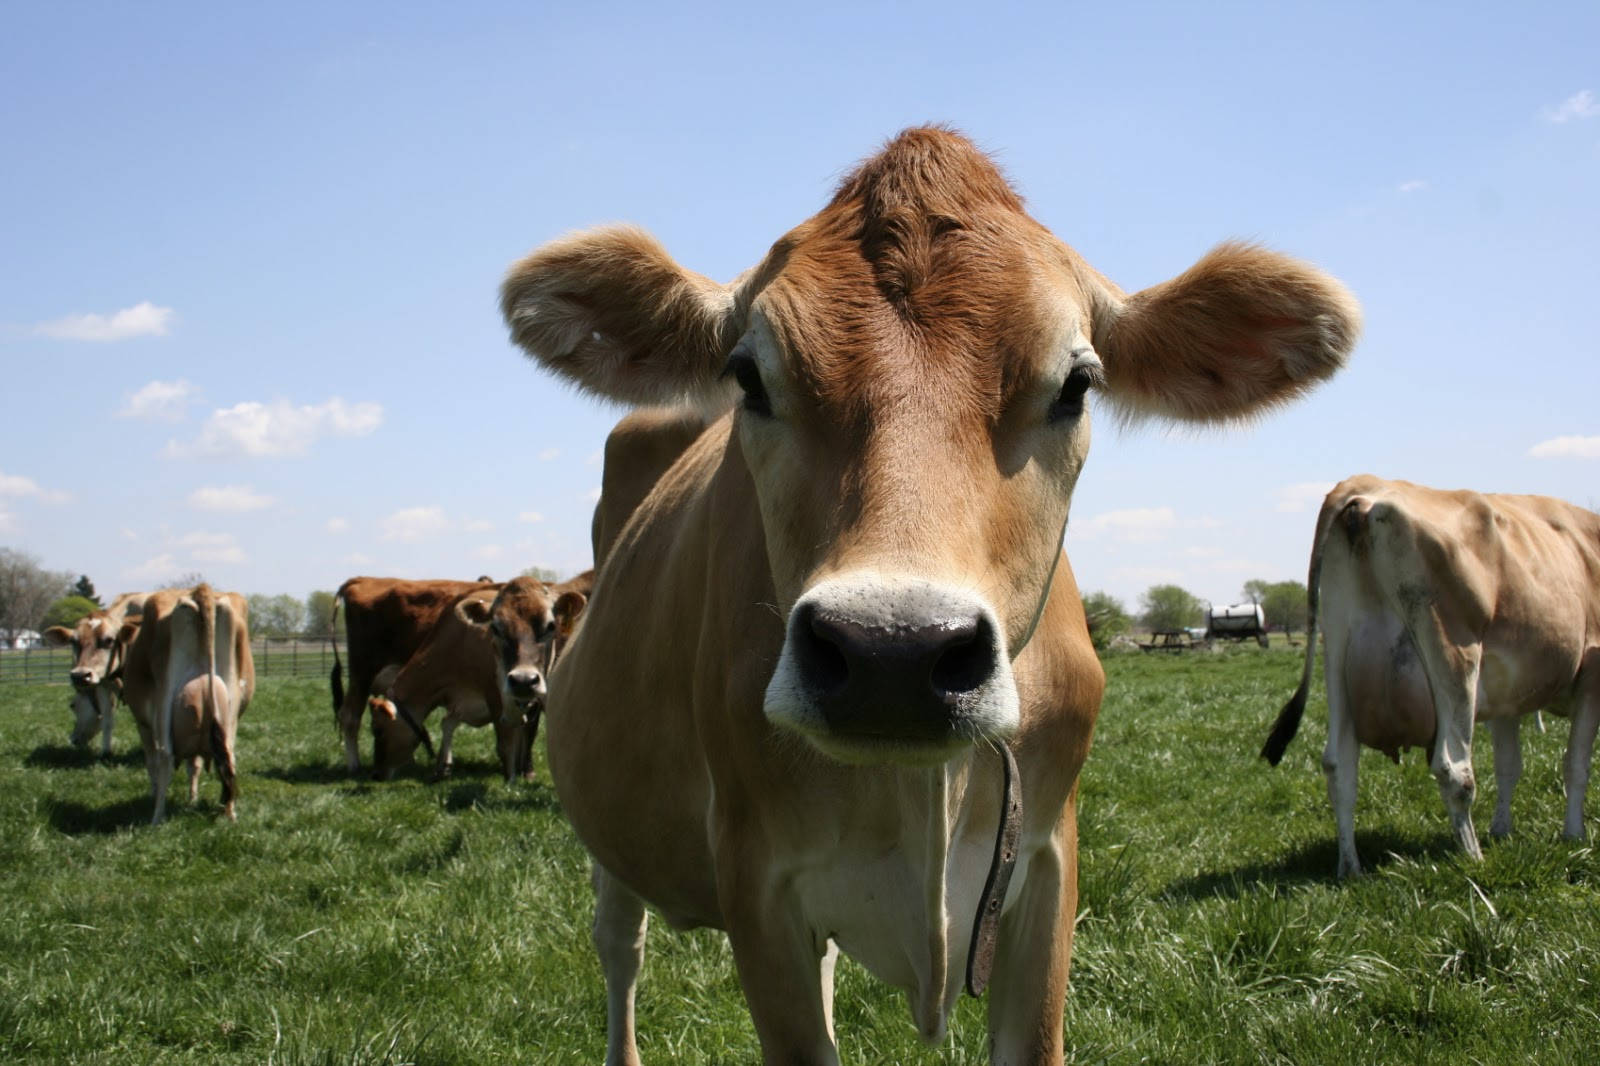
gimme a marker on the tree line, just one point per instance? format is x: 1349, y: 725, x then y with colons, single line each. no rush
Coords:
x: 1171, y: 607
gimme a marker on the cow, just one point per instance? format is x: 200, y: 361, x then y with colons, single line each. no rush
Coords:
x: 97, y: 660
x: 791, y: 709
x: 187, y: 678
x: 1443, y: 608
x: 485, y: 660
x: 386, y: 620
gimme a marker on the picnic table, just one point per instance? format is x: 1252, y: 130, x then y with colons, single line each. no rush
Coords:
x: 1169, y: 640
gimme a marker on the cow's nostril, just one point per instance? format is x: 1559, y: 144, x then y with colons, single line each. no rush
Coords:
x: 821, y: 650
x: 967, y: 660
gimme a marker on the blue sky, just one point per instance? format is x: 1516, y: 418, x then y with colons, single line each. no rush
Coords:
x: 251, y: 253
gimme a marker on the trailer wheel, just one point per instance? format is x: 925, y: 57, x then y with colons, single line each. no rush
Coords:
x: 1263, y: 639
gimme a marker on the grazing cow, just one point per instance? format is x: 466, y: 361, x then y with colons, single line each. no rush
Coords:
x: 485, y: 661
x: 188, y: 676
x: 1442, y: 608
x: 813, y: 648
x: 97, y: 658
x: 385, y: 620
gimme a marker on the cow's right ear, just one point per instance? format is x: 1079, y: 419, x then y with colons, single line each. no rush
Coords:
x: 128, y: 631
x: 611, y: 311
x: 475, y: 611
x: 568, y: 606
x: 56, y: 636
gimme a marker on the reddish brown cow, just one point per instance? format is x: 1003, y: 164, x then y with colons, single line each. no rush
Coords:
x: 485, y: 661
x: 385, y: 620
x: 787, y: 711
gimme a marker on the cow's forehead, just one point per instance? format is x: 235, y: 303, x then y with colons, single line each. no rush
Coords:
x: 924, y: 268
x: 521, y: 599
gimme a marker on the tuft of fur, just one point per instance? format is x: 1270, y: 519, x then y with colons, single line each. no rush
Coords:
x: 1243, y: 330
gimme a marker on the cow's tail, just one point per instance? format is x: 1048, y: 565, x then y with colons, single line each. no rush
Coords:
x: 336, y: 678
x: 205, y: 601
x: 1288, y: 721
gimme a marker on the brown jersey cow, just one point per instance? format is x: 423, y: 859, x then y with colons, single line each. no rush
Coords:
x: 1441, y: 609
x: 98, y: 649
x: 789, y: 711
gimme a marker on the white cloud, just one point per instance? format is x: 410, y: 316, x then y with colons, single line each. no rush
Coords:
x: 279, y: 428
x: 1303, y: 496
x: 1134, y: 524
x: 1567, y: 448
x: 358, y: 559
x: 19, y: 486
x: 208, y: 547
x: 8, y: 522
x: 477, y: 525
x: 549, y: 454
x: 128, y: 534
x: 488, y: 552
x: 594, y: 458
x: 1580, y: 105
x: 164, y: 400
x: 338, y: 525
x: 141, y: 320
x: 530, y: 517
x: 160, y: 568
x: 1149, y: 575
x: 1414, y: 185
x: 593, y: 495
x: 414, y: 523
x: 236, y: 498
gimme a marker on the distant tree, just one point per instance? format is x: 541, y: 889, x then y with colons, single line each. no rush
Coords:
x: 67, y: 611
x: 1255, y: 590
x: 542, y: 573
x: 319, y: 615
x: 27, y: 590
x: 1107, y: 617
x: 1169, y: 607
x: 1286, y: 606
x: 85, y: 588
x: 276, y: 616
x: 185, y: 581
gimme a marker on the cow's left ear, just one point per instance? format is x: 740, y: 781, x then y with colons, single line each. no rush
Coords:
x: 475, y: 611
x: 569, y: 605
x: 610, y: 310
x: 56, y: 636
x: 1242, y: 330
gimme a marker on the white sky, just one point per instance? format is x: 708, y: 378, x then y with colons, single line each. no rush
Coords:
x: 251, y: 253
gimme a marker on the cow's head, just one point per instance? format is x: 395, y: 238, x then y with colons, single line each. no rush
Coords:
x: 523, y: 622
x: 98, y: 644
x: 913, y: 369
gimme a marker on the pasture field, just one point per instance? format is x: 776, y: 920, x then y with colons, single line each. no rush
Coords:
x: 342, y: 922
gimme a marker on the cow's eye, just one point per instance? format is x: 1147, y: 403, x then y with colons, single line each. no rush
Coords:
x: 106, y: 642
x: 744, y: 370
x: 1069, y: 402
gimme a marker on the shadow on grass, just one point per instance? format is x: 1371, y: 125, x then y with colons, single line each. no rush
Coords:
x: 313, y: 773
x: 1312, y: 864
x: 77, y: 819
x: 67, y: 757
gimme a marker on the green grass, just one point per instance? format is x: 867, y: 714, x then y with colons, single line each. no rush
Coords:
x: 345, y: 923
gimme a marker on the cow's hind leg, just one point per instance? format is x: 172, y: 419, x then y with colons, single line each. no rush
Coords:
x: 446, y: 760
x: 350, y: 711
x: 1580, y: 748
x: 222, y: 756
x: 1341, y: 756
x: 619, y: 929
x: 1453, y: 673
x: 1507, y: 771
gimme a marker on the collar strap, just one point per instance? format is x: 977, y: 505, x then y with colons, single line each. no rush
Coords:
x: 986, y: 929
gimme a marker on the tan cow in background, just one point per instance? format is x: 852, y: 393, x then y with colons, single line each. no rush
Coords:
x: 1442, y: 609
x: 785, y: 711
x: 97, y: 656
x: 189, y: 675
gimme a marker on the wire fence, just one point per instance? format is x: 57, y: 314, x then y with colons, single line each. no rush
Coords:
x: 275, y: 657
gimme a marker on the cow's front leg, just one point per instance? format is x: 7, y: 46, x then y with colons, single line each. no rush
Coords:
x: 1507, y: 771
x: 782, y: 970
x: 508, y: 733
x: 446, y: 760
x: 194, y: 765
x: 107, y: 704
x: 619, y: 928
x: 1028, y: 988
